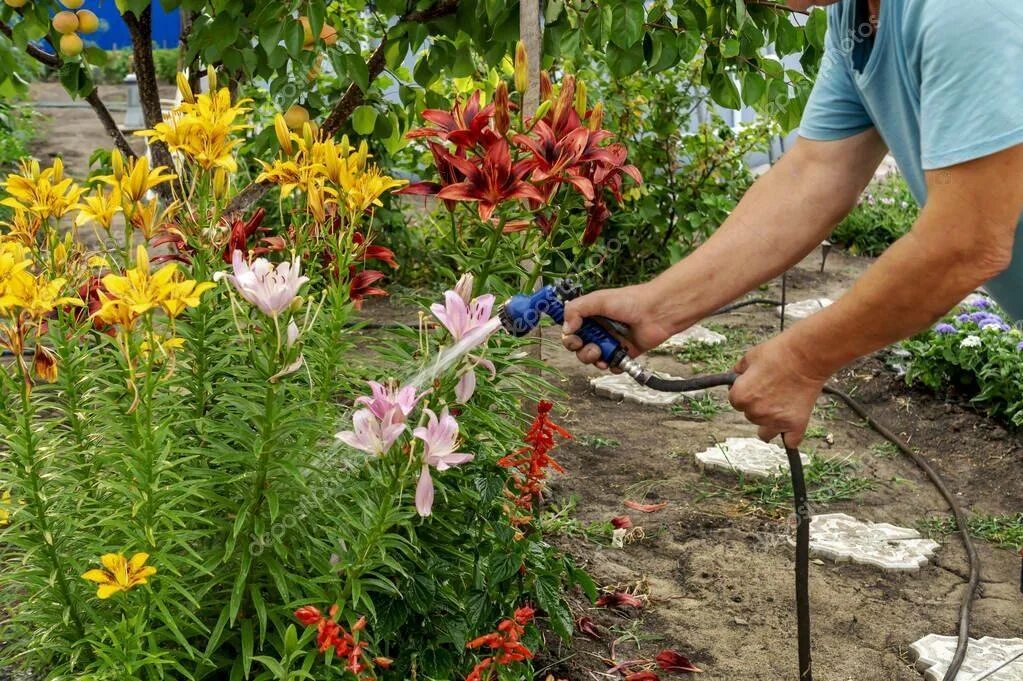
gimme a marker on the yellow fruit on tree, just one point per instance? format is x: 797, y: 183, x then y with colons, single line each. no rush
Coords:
x: 328, y: 34
x: 88, y: 22
x: 307, y: 30
x: 71, y: 45
x: 296, y: 117
x: 72, y: 4
x: 16, y: 4
x: 65, y: 22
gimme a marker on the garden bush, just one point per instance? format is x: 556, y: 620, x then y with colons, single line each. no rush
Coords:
x: 176, y: 504
x: 973, y: 353
x: 885, y: 212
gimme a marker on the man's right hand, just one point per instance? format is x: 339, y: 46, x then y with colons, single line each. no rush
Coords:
x: 633, y: 306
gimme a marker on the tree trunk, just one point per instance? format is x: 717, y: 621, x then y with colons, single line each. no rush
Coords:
x: 141, y: 29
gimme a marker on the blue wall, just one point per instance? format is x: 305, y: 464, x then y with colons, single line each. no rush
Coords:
x: 114, y: 34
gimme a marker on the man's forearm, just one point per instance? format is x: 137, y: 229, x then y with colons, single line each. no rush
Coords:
x: 779, y: 221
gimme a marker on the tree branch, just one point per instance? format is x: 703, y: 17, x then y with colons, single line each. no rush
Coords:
x: 55, y: 62
x: 352, y: 97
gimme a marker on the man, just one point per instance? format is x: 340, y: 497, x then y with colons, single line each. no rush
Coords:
x: 938, y: 83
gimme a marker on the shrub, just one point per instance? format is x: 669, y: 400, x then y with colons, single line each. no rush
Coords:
x: 886, y: 211
x: 972, y: 352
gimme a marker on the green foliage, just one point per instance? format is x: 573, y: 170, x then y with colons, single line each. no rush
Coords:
x: 692, y: 178
x: 886, y: 211
x: 1004, y: 531
x: 118, y: 63
x: 972, y: 353
x: 16, y: 131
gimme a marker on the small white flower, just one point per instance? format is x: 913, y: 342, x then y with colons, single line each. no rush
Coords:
x: 970, y: 342
x: 991, y: 327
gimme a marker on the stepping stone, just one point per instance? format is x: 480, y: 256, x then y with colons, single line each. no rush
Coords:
x: 803, y: 308
x: 749, y: 456
x: 624, y: 387
x: 842, y: 538
x: 992, y: 659
x: 694, y: 334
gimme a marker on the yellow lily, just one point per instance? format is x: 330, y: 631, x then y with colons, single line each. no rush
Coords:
x: 41, y: 297
x: 43, y: 193
x: 5, y: 509
x: 99, y: 207
x: 119, y: 573
x: 137, y: 179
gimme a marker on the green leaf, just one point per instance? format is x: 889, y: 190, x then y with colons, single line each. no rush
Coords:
x: 730, y: 48
x: 724, y: 91
x: 548, y: 596
x: 364, y: 119
x: 754, y: 87
x: 357, y: 71
x: 817, y: 27
x: 624, y: 62
x: 627, y: 18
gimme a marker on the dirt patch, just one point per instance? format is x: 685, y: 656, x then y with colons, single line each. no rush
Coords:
x: 719, y: 577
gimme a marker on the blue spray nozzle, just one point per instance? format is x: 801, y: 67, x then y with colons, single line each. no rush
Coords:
x: 524, y: 312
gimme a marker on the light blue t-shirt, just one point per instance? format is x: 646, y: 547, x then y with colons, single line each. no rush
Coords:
x: 942, y: 81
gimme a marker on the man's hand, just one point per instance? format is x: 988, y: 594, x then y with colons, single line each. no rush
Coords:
x: 776, y: 390
x: 633, y: 306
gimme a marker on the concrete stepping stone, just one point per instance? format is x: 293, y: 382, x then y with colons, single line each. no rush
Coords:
x: 749, y: 456
x: 692, y: 335
x: 803, y: 308
x: 624, y: 387
x: 991, y: 659
x: 842, y: 538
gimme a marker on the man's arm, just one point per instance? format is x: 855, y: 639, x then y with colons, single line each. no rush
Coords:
x: 784, y: 216
x: 964, y: 237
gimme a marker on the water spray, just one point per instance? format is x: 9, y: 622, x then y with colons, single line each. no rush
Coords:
x: 524, y: 313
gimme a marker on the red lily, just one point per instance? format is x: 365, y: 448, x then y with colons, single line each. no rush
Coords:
x: 463, y: 126
x: 361, y: 285
x: 495, y: 181
x: 243, y: 230
x: 447, y: 171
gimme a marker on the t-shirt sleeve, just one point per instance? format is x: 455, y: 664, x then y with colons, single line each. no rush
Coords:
x: 971, y: 86
x: 834, y: 110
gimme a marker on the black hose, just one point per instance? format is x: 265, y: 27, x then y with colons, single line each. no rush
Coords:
x: 745, y: 303
x: 681, y: 385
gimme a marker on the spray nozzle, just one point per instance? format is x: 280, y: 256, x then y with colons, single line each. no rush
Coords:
x: 524, y: 312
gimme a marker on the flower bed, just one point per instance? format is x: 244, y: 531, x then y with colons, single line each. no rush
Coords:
x: 976, y: 353
x: 175, y: 501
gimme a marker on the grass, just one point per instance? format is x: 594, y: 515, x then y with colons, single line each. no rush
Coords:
x: 561, y: 520
x: 598, y: 442
x: 885, y: 450
x: 722, y: 357
x: 827, y: 481
x: 702, y: 408
x: 1004, y: 531
x: 816, y: 432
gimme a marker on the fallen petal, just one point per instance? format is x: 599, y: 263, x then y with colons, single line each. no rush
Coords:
x: 674, y: 661
x: 645, y: 508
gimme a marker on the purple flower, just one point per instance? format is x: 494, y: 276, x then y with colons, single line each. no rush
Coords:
x: 963, y: 318
x: 459, y: 317
x: 440, y: 437
x: 944, y: 329
x: 1019, y: 346
x: 271, y: 288
x: 979, y: 303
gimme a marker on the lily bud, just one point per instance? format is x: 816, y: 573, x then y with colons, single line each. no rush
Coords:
x: 464, y: 287
x: 117, y: 164
x: 580, y: 99
x: 566, y: 97
x: 211, y: 77
x: 542, y: 110
x: 545, y: 86
x: 308, y: 134
x: 521, y: 67
x: 45, y: 364
x: 220, y: 182
x: 502, y: 113
x: 597, y: 117
x: 283, y: 135
x: 185, y: 89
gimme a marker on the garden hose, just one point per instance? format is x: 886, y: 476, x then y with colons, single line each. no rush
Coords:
x: 524, y: 312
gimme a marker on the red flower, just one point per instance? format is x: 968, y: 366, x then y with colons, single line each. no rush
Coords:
x: 642, y: 676
x: 308, y: 615
x: 674, y: 661
x: 532, y: 462
x: 463, y: 126
x: 619, y: 599
x: 504, y: 642
x: 447, y: 172
x: 361, y: 285
x: 622, y: 522
x: 331, y: 635
x: 493, y: 182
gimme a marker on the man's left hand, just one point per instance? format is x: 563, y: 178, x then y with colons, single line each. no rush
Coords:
x: 777, y: 389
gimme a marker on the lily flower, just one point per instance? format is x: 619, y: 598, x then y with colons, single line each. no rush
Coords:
x: 270, y: 288
x: 371, y: 434
x: 387, y: 399
x: 493, y: 182
x: 460, y: 317
x: 119, y: 573
x: 440, y: 436
x: 463, y: 126
x: 446, y: 171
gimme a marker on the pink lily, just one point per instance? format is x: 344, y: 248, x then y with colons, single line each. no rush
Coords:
x: 385, y: 400
x: 439, y: 436
x: 460, y: 317
x: 270, y: 288
x: 371, y: 434
x: 467, y: 382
